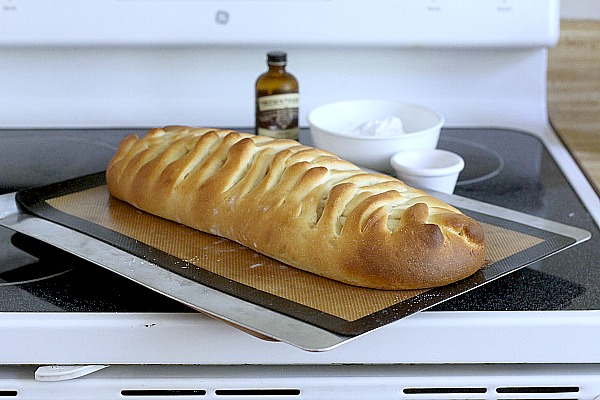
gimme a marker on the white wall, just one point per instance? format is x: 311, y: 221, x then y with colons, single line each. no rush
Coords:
x: 580, y: 9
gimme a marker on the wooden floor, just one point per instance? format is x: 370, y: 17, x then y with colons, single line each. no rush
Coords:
x: 574, y: 93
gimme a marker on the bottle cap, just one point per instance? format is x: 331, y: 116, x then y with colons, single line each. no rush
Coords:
x: 277, y: 57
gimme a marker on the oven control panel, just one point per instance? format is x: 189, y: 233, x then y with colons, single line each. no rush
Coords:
x: 406, y: 23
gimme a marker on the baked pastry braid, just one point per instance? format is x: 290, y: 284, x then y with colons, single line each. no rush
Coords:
x: 302, y: 206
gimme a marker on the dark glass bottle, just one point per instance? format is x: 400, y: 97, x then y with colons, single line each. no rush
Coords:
x: 277, y: 100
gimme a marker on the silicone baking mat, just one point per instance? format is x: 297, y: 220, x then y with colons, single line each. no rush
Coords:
x: 84, y: 205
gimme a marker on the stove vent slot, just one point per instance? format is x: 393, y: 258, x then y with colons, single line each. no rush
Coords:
x: 199, y: 392
x: 537, y: 392
x: 162, y: 392
x: 504, y: 393
x: 447, y: 390
x: 8, y: 393
x: 257, y: 392
x: 538, y: 389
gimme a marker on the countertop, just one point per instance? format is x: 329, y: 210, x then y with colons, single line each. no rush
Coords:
x: 574, y: 93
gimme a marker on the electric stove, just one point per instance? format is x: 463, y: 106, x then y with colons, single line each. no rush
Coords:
x: 70, y: 88
x: 77, y: 317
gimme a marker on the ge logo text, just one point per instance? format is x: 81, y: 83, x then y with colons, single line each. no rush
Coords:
x: 222, y: 17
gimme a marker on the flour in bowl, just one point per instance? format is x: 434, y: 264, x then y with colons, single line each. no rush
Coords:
x: 381, y: 127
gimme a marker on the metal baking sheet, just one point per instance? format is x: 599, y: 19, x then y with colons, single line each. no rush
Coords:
x: 250, y: 307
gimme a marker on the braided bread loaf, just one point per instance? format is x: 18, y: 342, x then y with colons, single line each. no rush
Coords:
x: 302, y: 206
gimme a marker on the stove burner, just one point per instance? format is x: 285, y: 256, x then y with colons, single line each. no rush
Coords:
x: 34, y: 271
x: 19, y: 274
x: 481, y: 162
x: 36, y: 161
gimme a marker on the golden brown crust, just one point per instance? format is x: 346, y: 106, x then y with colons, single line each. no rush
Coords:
x: 302, y: 206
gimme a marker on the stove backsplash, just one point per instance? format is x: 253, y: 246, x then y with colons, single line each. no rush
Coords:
x: 132, y: 63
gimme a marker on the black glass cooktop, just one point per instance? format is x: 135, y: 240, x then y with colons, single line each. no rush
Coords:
x: 508, y: 168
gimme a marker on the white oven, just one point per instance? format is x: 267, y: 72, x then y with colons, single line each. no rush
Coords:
x: 78, y: 76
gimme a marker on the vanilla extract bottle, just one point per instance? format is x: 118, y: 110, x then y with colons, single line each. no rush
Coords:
x: 277, y: 100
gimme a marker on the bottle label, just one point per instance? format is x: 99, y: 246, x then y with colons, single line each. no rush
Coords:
x: 278, y: 102
x: 278, y: 116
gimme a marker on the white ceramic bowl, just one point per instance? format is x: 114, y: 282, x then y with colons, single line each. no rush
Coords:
x: 333, y: 128
x: 428, y: 169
